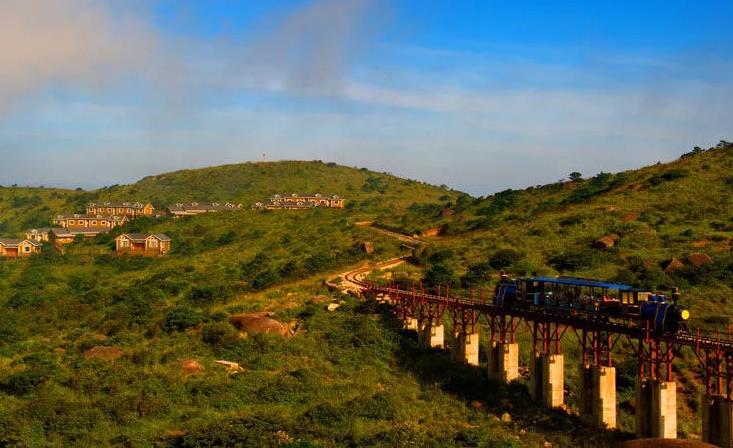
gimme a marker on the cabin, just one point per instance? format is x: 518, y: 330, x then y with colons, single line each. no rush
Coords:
x: 142, y: 244
x: 126, y: 209
x: 60, y: 236
x: 16, y: 248
x: 196, y: 208
x: 44, y: 234
x: 89, y: 225
x: 301, y: 201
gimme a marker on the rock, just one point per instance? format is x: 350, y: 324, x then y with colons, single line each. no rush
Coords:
x: 604, y: 242
x: 649, y: 264
x: 447, y: 212
x: 700, y: 243
x: 673, y: 265
x: 611, y: 208
x: 368, y: 247
x: 635, y: 187
x: 434, y: 231
x: 103, y: 352
x: 506, y: 417
x: 628, y: 217
x: 333, y: 307
x: 547, y: 445
x: 699, y: 259
x: 258, y: 323
x: 59, y: 351
x: 478, y: 405
x: 191, y: 367
x: 230, y: 365
x: 320, y: 299
x: 522, y: 432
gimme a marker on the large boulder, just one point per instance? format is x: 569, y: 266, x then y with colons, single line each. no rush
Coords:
x: 252, y: 323
x: 104, y: 352
x: 604, y: 242
x: 673, y: 265
x: 628, y: 217
x: 699, y: 259
x: 368, y: 247
x: 191, y: 367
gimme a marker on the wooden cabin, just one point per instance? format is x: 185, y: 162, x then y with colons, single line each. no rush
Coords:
x: 44, y: 234
x: 301, y: 201
x: 89, y: 225
x: 16, y: 248
x: 197, y: 208
x: 143, y: 244
x: 126, y: 209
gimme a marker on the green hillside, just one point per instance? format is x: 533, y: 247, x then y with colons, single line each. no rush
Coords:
x: 251, y: 182
x: 348, y: 377
x: 654, y: 214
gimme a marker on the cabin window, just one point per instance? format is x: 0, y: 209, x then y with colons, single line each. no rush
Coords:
x: 124, y: 243
x: 26, y: 249
x: 94, y: 223
x: 153, y: 243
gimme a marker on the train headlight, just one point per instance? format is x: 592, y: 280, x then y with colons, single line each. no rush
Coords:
x: 684, y: 314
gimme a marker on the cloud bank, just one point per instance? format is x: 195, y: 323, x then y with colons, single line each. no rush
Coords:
x: 78, y: 44
x: 315, y: 82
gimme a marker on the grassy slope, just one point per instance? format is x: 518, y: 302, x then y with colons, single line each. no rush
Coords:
x: 683, y: 207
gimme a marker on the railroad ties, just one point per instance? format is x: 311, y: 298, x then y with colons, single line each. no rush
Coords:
x: 656, y: 389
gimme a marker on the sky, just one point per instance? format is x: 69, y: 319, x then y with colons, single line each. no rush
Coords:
x: 478, y: 95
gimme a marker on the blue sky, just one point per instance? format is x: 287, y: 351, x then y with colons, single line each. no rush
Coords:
x: 479, y: 95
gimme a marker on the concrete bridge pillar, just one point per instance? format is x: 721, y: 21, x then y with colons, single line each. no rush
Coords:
x: 546, y: 377
x: 504, y: 361
x: 430, y: 334
x: 466, y: 347
x: 409, y: 323
x: 717, y: 420
x: 598, y: 396
x: 656, y: 408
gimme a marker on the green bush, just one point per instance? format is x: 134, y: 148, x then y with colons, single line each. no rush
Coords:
x: 183, y: 317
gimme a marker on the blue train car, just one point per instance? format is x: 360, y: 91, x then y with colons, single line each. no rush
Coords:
x: 592, y: 297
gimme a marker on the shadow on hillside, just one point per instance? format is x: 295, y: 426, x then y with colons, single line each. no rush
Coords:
x: 436, y: 369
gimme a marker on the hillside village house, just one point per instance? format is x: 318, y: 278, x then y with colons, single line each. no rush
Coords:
x: 301, y: 201
x: 46, y: 234
x: 15, y: 248
x: 197, y: 208
x: 127, y: 209
x: 143, y: 244
x: 89, y: 225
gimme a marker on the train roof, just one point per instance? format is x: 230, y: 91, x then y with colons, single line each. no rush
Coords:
x: 574, y: 281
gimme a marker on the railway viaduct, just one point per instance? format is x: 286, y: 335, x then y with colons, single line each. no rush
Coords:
x: 656, y: 389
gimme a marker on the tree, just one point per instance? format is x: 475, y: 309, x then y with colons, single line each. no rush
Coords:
x: 575, y: 176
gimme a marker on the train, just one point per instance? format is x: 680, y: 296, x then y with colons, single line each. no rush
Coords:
x: 594, y: 299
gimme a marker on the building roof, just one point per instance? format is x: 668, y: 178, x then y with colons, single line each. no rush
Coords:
x: 10, y: 242
x: 119, y: 204
x: 306, y: 196
x: 141, y: 237
x: 203, y: 206
x: 15, y: 242
x: 92, y: 230
x: 60, y: 232
x: 575, y: 281
x: 88, y: 216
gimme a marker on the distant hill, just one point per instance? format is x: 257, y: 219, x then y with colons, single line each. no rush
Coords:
x: 251, y: 182
x: 367, y: 192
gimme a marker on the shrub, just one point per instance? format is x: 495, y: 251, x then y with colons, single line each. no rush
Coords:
x: 182, y: 317
x: 504, y: 258
x: 220, y: 334
x: 574, y: 260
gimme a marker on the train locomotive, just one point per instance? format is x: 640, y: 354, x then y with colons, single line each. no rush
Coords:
x: 594, y: 299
